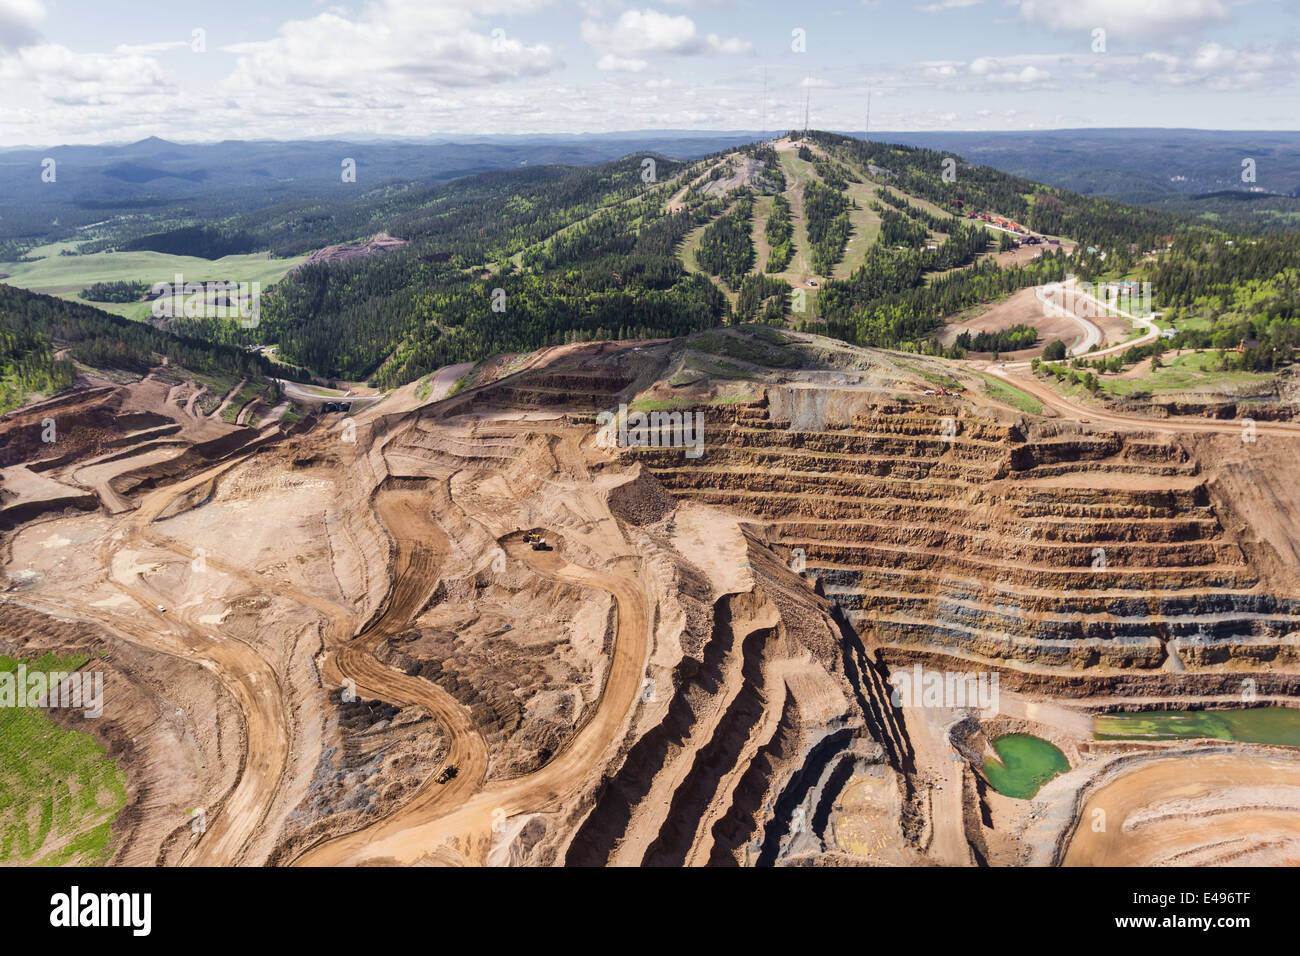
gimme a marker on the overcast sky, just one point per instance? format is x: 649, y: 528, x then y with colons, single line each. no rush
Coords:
x: 87, y: 71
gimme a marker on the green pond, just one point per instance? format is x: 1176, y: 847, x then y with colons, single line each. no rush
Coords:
x: 1025, y: 763
x: 1251, y: 725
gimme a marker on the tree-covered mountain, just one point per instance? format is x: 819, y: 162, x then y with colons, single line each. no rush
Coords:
x: 42, y: 337
x: 510, y: 261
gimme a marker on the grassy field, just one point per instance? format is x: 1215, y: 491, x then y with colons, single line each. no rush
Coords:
x: 689, y: 245
x: 661, y: 404
x: 59, y: 791
x: 866, y: 229
x: 241, y: 398
x: 797, y: 172
x: 1192, y: 372
x: 687, y: 254
x: 943, y: 381
x: 745, y: 349
x: 1010, y: 395
x: 66, y: 276
x: 762, y: 251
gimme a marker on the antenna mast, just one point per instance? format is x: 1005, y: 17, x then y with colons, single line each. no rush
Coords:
x: 807, y: 103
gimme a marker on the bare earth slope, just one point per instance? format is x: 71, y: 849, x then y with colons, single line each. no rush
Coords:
x: 353, y: 652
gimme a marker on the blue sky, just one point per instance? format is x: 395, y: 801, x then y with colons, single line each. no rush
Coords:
x: 88, y: 71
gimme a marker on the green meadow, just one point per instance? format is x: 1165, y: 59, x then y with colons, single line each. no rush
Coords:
x: 66, y: 276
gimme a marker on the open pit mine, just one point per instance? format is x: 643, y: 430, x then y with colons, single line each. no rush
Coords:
x: 871, y: 621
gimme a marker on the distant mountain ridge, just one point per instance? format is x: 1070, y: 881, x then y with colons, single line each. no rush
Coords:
x: 156, y: 168
x: 1131, y: 165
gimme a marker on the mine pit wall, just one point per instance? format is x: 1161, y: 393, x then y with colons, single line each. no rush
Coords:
x: 1056, y: 830
x: 577, y: 389
x: 20, y: 513
x: 361, y: 547
x: 1010, y: 544
x: 164, y: 723
x: 765, y: 705
x: 682, y: 614
x: 699, y: 690
x: 133, y: 481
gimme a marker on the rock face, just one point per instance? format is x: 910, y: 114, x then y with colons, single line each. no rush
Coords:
x: 694, y: 665
x: 937, y: 529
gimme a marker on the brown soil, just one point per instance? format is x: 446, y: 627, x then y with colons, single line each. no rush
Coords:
x: 695, y: 670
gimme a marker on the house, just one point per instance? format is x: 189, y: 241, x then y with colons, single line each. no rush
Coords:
x: 1169, y: 334
x: 1247, y: 344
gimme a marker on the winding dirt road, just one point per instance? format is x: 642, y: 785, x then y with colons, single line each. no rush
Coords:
x: 421, y: 547
x: 240, y: 667
x: 1075, y: 412
x: 421, y: 828
x: 1020, y: 375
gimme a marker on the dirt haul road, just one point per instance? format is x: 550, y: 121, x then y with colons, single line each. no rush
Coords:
x: 1212, y: 809
x: 421, y: 546
x: 1091, y: 333
x: 419, y: 833
x: 1054, y: 294
x: 250, y: 679
x: 1019, y: 374
x: 229, y: 825
x: 1201, y: 426
x: 254, y: 684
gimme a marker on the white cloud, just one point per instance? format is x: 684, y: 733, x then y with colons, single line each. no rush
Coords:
x: 392, y: 48
x: 18, y: 22
x: 1135, y: 17
x: 940, y: 70
x: 617, y: 64
x: 148, y: 49
x: 641, y: 33
x: 67, y: 77
x: 995, y: 71
x: 399, y: 66
x: 943, y: 5
x: 1223, y: 68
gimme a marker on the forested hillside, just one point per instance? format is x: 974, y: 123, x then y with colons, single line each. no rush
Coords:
x: 34, y: 328
x: 513, y: 261
x: 1223, y: 292
x: 918, y: 172
x: 498, y: 262
x: 516, y: 260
